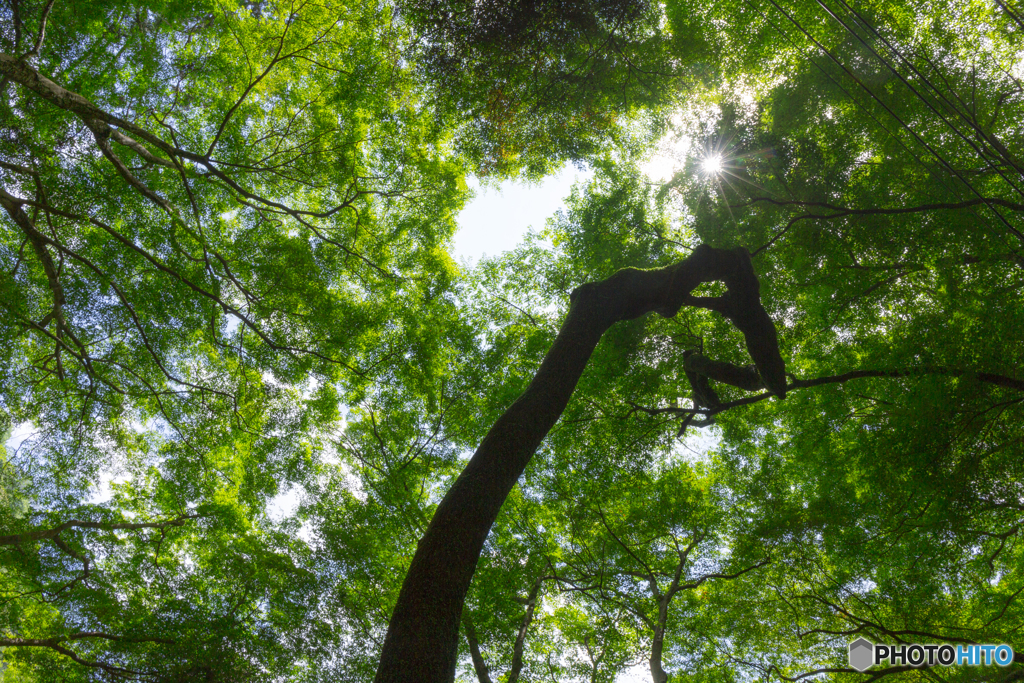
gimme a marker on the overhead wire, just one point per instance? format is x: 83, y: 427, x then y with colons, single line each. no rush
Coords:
x: 910, y: 130
x: 866, y: 110
x: 846, y: 92
x: 918, y: 94
x: 969, y: 120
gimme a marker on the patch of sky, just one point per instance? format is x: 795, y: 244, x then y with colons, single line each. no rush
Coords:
x: 696, y: 447
x: 285, y: 504
x: 669, y: 157
x: 497, y: 218
x: 104, y: 491
x: 18, y: 435
x: 638, y: 673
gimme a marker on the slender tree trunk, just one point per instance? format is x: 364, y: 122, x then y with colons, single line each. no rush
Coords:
x: 658, y: 674
x: 422, y: 639
x: 479, y: 665
x: 483, y: 674
x: 524, y: 625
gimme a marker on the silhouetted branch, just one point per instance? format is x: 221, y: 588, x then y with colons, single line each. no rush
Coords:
x: 43, y: 534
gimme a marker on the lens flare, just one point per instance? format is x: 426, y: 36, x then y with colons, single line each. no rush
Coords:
x: 712, y: 164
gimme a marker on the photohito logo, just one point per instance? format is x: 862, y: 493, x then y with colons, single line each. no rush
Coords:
x: 865, y: 654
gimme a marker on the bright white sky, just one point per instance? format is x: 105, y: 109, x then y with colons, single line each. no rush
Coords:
x: 497, y: 218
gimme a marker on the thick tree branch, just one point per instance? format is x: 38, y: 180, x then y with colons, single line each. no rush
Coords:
x: 43, y: 534
x: 744, y: 377
x: 55, y: 644
x: 12, y: 205
x: 13, y: 208
x: 122, y: 139
x: 1010, y: 13
x: 704, y: 395
x: 102, y: 133
x: 658, y: 673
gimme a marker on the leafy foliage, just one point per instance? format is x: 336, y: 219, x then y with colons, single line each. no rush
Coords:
x: 242, y: 370
x: 533, y: 82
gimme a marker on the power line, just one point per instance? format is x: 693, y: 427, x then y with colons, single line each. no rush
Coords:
x: 910, y: 130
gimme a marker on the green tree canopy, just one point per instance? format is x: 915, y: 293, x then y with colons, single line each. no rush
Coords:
x: 261, y: 426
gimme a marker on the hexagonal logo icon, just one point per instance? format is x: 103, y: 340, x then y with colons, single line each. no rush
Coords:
x: 862, y: 654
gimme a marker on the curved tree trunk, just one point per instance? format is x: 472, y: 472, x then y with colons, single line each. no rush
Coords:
x: 422, y: 639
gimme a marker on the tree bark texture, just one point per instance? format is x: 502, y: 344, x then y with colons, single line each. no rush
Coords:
x: 422, y: 639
